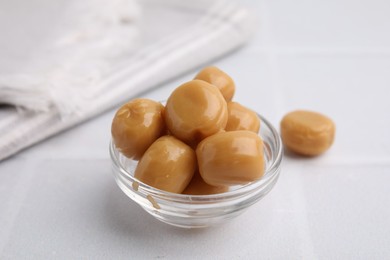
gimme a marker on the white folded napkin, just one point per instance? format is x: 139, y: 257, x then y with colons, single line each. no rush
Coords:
x: 102, y: 53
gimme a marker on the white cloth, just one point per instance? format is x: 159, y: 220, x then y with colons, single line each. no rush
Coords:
x: 100, y: 56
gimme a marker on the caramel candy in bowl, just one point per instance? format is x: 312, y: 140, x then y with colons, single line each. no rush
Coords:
x: 220, y: 79
x: 136, y: 125
x: 231, y: 158
x: 168, y: 165
x: 194, y: 111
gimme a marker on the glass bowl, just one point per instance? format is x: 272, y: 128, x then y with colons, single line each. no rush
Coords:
x: 196, y: 211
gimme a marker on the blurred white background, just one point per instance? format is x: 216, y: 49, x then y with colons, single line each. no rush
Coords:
x: 59, y: 200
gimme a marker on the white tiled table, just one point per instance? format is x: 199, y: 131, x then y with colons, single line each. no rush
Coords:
x: 58, y: 199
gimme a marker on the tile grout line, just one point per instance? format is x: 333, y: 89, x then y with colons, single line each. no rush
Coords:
x: 320, y: 51
x: 271, y: 56
x: 301, y: 220
x: 332, y: 162
x: 19, y: 194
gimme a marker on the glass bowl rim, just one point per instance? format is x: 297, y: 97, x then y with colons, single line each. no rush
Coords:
x: 271, y: 172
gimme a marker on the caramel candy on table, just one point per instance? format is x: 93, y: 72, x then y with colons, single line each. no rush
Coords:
x: 241, y: 118
x: 168, y: 165
x: 198, y: 186
x: 194, y: 111
x: 136, y: 125
x: 307, y: 133
x: 220, y: 79
x: 231, y: 158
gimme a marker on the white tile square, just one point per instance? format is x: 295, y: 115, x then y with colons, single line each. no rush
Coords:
x: 353, y: 91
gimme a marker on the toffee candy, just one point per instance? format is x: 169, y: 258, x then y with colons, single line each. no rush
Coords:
x: 194, y: 111
x: 168, y: 164
x: 231, y: 158
x: 136, y: 125
x: 220, y: 79
x: 241, y: 118
x: 198, y: 186
x: 307, y: 133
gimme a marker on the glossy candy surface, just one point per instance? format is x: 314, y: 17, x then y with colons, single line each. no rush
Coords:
x: 231, y: 158
x: 241, y: 118
x: 136, y: 125
x: 198, y: 186
x: 194, y: 111
x: 306, y: 132
x: 168, y: 165
x: 220, y: 79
